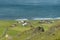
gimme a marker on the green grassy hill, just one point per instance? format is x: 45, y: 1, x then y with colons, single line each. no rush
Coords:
x: 20, y: 32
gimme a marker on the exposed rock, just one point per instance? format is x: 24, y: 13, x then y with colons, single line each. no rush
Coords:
x: 24, y: 24
x: 45, y: 21
x: 38, y: 29
x: 8, y: 37
x: 18, y: 34
x: 13, y: 25
x: 18, y: 22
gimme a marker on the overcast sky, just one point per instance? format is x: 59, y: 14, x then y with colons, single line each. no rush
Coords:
x: 29, y: 2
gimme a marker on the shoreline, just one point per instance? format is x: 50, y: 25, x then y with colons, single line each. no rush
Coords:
x: 58, y: 18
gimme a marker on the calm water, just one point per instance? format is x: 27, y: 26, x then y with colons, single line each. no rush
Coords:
x: 29, y: 11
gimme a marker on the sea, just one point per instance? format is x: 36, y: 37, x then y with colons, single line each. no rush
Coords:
x: 29, y: 11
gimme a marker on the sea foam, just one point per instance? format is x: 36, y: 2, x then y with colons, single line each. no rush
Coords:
x: 21, y: 19
x: 39, y: 19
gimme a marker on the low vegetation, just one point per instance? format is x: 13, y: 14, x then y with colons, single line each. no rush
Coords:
x: 31, y: 30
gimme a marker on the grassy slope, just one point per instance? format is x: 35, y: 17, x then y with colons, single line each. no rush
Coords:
x: 20, y: 29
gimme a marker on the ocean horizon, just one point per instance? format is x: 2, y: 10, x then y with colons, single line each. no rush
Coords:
x: 29, y: 11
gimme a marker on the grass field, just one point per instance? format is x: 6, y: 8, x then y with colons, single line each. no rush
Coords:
x: 20, y: 32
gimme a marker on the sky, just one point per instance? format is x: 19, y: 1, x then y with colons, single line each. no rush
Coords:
x: 34, y: 2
